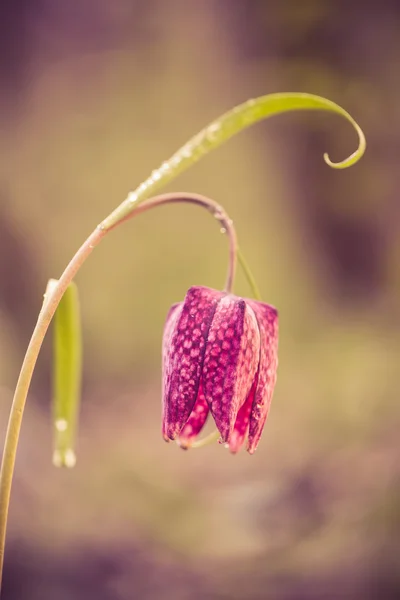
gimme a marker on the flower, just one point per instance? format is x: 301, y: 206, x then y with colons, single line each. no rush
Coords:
x: 219, y: 356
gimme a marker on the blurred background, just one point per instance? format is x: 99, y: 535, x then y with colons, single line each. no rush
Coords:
x: 94, y: 95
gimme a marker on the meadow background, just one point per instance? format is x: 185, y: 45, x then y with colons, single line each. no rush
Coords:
x: 94, y: 95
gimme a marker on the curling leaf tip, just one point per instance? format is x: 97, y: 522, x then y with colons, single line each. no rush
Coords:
x: 272, y: 104
x: 221, y: 130
x: 355, y: 156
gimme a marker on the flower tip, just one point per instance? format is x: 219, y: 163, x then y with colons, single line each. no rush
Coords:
x: 274, y: 310
x: 233, y: 448
x: 170, y: 432
x: 235, y: 442
x: 183, y: 444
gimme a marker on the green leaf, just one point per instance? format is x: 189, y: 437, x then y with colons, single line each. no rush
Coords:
x: 67, y: 375
x: 221, y: 130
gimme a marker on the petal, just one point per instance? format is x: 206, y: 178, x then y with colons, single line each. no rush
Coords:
x: 241, y: 427
x: 169, y: 328
x: 184, y: 346
x: 267, y: 318
x: 231, y: 361
x: 196, y: 421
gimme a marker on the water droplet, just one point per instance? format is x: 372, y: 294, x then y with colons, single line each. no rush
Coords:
x: 213, y: 131
x: 70, y: 458
x: 64, y: 458
x: 175, y: 160
x: 164, y: 168
x: 226, y: 446
x: 223, y: 230
x: 132, y: 197
x: 61, y: 425
x: 186, y: 152
x: 245, y: 113
x: 156, y: 175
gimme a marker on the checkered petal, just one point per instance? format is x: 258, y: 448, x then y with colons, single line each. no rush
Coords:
x: 267, y: 319
x: 230, y: 361
x: 184, y: 344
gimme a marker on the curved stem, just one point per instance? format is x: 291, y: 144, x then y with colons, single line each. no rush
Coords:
x: 51, y: 301
x: 17, y: 409
x: 215, y: 209
x: 205, y: 441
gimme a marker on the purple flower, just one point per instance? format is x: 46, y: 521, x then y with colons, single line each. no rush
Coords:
x: 219, y: 356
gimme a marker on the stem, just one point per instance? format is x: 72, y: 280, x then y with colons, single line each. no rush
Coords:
x: 249, y: 275
x: 50, y: 304
x: 209, y: 439
x: 17, y: 409
x: 215, y: 209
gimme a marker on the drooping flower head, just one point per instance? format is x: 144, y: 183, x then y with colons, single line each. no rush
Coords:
x: 219, y: 357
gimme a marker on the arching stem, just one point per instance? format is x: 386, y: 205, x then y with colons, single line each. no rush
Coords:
x: 215, y: 209
x: 17, y: 409
x: 205, y: 441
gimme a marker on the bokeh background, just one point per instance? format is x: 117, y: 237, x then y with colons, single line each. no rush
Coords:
x: 94, y: 95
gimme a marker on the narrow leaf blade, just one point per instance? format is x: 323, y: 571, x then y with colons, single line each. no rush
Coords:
x: 222, y: 129
x: 67, y: 377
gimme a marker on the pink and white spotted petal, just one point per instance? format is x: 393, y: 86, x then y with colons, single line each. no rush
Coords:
x: 195, y: 423
x: 184, y: 348
x: 267, y: 318
x: 241, y: 427
x: 169, y: 327
x: 230, y: 361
